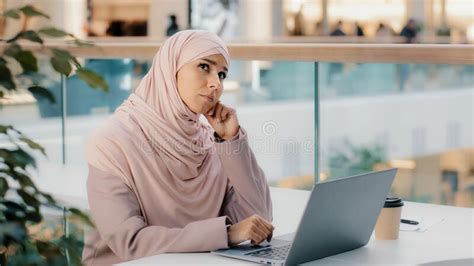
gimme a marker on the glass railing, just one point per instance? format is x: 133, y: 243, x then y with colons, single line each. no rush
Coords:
x: 415, y: 117
x: 303, y: 117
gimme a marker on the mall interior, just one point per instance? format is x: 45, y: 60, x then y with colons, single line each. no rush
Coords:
x: 325, y: 89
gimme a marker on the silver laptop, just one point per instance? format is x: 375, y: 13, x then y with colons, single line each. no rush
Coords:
x: 340, y: 216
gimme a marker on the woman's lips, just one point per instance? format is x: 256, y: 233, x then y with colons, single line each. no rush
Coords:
x: 208, y: 98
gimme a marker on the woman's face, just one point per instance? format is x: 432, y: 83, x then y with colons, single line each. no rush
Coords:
x: 200, y: 83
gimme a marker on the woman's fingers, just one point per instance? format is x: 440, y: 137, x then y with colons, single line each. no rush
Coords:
x: 262, y: 229
x: 253, y: 228
x: 211, y: 114
x: 225, y: 113
x: 257, y: 235
x: 211, y: 111
x: 269, y: 237
x: 218, y: 111
x: 267, y: 228
x: 261, y: 225
x: 221, y: 112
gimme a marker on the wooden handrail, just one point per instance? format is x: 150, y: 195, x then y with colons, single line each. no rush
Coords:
x: 358, y: 53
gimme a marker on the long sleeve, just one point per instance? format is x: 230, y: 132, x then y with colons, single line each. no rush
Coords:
x: 247, y: 190
x: 116, y: 213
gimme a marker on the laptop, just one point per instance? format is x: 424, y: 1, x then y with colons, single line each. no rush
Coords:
x: 340, y: 215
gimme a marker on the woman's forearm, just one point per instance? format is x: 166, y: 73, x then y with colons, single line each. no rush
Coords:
x: 248, y: 184
x: 119, y: 222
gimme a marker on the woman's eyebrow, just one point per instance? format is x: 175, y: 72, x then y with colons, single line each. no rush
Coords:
x: 214, y: 63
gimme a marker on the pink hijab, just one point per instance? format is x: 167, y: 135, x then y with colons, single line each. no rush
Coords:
x: 153, y: 129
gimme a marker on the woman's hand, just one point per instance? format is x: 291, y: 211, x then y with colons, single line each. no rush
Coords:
x: 254, y: 228
x: 224, y: 120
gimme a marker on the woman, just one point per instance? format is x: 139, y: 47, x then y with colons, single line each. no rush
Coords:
x: 162, y: 181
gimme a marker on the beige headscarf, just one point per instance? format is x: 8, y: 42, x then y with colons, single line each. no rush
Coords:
x: 155, y: 125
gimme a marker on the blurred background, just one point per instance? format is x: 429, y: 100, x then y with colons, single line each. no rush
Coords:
x: 429, y: 21
x: 307, y: 121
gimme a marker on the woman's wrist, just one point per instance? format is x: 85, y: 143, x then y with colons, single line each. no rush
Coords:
x: 228, y: 224
x: 219, y: 139
x: 227, y: 227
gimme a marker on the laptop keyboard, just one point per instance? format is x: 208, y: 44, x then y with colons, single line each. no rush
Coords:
x: 274, y: 253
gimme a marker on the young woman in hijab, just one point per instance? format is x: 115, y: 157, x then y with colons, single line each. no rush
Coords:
x: 162, y: 181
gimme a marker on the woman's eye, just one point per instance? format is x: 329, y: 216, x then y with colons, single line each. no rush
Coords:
x: 204, y: 66
x: 222, y: 75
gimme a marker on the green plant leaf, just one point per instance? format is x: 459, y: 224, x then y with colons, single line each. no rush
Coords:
x: 34, y: 145
x: 13, y: 230
x: 29, y: 199
x: 34, y: 215
x: 27, y: 61
x: 84, y: 217
x: 47, y: 249
x: 75, y: 62
x: 61, y: 53
x: 27, y: 35
x: 6, y: 78
x: 72, y: 245
x: 48, y: 198
x: 41, y: 92
x: 13, y: 211
x: 27, y: 255
x: 53, y: 32
x: 12, y: 50
x: 61, y: 65
x: 23, y: 180
x: 17, y: 157
x: 82, y: 43
x: 31, y: 11
x: 14, y: 129
x: 92, y: 79
x: 12, y: 13
x: 32, y: 36
x: 61, y: 61
x: 4, y: 129
x: 25, y: 58
x: 64, y: 54
x: 3, y: 186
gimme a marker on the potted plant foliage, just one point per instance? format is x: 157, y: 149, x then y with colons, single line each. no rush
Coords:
x: 22, y: 203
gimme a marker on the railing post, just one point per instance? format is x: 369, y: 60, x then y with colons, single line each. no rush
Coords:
x: 316, y: 122
x: 63, y: 117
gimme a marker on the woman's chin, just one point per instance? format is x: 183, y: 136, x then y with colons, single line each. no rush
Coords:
x: 207, y: 107
x: 203, y: 110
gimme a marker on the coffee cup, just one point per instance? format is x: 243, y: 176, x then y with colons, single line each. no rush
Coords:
x: 388, y: 223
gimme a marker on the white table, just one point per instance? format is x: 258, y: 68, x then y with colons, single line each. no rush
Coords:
x: 449, y: 239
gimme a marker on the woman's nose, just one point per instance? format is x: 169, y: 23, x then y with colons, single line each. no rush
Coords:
x: 214, y: 82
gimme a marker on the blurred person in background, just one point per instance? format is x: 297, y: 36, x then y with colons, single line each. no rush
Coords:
x: 338, y: 30
x: 319, y: 29
x: 299, y: 23
x: 358, y: 30
x: 383, y: 31
x: 409, y: 31
x: 173, y: 25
